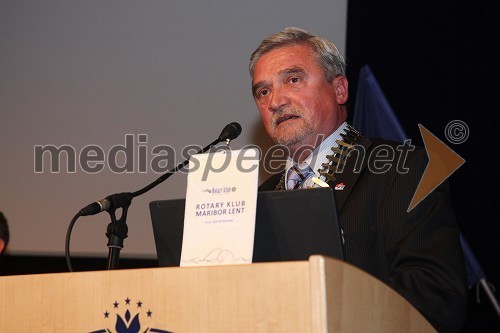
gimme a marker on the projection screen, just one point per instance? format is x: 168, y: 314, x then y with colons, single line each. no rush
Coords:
x: 124, y: 77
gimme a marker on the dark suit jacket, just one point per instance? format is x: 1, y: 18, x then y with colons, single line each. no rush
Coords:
x: 417, y: 253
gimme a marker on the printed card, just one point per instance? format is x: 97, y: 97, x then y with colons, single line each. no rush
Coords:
x: 221, y: 202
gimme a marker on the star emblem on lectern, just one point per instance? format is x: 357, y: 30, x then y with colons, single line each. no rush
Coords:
x: 128, y: 321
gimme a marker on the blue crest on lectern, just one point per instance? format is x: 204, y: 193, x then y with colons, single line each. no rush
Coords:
x: 130, y: 321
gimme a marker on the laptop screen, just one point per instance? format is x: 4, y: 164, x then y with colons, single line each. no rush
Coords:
x: 290, y: 225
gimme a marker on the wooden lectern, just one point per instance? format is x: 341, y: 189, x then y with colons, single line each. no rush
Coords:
x: 319, y: 295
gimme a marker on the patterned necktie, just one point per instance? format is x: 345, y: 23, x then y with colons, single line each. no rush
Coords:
x: 297, y: 175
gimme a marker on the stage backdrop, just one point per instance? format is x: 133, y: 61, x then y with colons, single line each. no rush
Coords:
x: 88, y: 76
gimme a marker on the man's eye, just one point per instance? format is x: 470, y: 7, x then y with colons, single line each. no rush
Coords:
x: 294, y: 79
x: 263, y: 93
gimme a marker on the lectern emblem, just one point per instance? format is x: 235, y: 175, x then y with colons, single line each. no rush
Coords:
x: 128, y: 318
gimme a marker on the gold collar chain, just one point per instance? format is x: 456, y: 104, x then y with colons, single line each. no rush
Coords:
x: 336, y: 161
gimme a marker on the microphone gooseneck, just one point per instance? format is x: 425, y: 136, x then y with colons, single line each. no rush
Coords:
x: 230, y: 132
x: 119, y: 200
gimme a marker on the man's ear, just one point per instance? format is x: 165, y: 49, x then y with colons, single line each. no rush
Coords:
x: 341, y: 87
x: 2, y: 245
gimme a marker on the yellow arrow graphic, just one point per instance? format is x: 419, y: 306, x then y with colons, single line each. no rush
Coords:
x: 442, y: 163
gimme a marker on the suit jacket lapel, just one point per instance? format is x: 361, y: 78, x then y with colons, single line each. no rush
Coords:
x: 355, y: 164
x: 272, y: 182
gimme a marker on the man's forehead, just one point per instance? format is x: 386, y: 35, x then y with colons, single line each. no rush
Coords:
x: 290, y: 58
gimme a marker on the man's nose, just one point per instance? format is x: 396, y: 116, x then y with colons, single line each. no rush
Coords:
x: 279, y: 99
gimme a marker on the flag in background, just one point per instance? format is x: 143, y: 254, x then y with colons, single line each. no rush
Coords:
x: 474, y: 271
x: 374, y: 117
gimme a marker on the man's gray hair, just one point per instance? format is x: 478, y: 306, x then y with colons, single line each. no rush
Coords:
x: 328, y: 56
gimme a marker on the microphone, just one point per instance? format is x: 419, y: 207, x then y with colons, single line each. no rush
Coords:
x: 120, y: 200
x: 117, y: 229
x: 114, y: 201
x: 230, y: 132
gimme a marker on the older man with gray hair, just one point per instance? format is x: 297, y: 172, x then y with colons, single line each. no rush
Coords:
x: 301, y: 90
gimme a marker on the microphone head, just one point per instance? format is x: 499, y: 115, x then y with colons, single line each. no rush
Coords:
x: 230, y: 132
